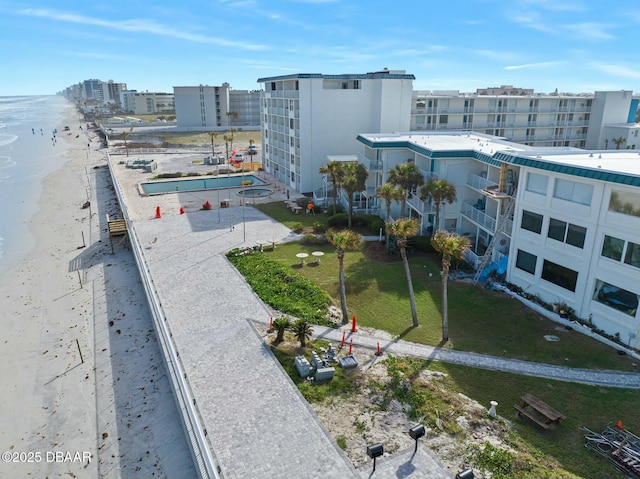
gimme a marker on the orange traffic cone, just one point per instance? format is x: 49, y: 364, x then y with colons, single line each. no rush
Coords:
x: 270, y: 324
x: 158, y: 215
x: 353, y: 324
x: 181, y: 210
x: 378, y: 352
x: 207, y: 205
x: 351, y: 346
x: 619, y: 424
x: 342, y: 342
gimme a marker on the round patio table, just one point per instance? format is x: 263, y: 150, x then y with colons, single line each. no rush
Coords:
x: 302, y: 256
x: 318, y: 255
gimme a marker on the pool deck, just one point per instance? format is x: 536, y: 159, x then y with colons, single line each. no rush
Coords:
x: 257, y: 422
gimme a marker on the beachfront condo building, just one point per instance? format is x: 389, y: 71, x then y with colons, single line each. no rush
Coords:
x: 145, y: 103
x: 560, y: 222
x: 522, y: 116
x: 206, y: 107
x: 306, y: 118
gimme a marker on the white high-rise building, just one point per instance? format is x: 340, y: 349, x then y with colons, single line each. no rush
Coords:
x: 216, y: 107
x: 306, y: 118
x: 557, y: 119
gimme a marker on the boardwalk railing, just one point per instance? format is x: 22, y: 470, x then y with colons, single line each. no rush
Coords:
x: 207, y: 466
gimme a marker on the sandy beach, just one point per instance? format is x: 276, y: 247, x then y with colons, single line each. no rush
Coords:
x: 85, y: 392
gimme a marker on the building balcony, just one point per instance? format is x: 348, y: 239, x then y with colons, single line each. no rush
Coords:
x: 422, y: 207
x: 473, y: 259
x: 478, y: 216
x: 479, y: 183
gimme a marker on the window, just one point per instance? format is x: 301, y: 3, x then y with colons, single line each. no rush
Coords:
x: 559, y: 275
x: 531, y: 221
x: 612, y: 248
x: 526, y: 261
x: 537, y: 183
x: 625, y: 202
x: 616, y: 298
x: 567, y: 232
x: 632, y: 256
x: 444, y: 119
x: 572, y: 191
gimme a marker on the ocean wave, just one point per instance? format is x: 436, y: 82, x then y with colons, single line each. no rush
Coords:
x: 7, y: 162
x: 7, y: 139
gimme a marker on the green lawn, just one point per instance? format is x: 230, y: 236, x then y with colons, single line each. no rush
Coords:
x: 479, y: 320
x: 279, y: 212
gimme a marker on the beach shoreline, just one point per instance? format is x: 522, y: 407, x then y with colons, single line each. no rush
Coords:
x: 85, y: 392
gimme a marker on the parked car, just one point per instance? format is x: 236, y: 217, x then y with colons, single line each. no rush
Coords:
x: 253, y: 150
x: 239, y: 157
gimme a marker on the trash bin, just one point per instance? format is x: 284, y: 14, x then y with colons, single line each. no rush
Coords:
x: 466, y: 474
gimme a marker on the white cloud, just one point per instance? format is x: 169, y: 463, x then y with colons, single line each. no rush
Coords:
x: 537, y: 65
x: 589, y: 31
x: 137, y: 26
x: 617, y: 70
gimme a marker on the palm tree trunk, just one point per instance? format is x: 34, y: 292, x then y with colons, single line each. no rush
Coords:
x: 445, y: 305
x: 412, y: 299
x: 436, y: 225
x: 404, y: 204
x: 343, y: 291
x: 350, y: 210
x: 386, y: 226
x: 335, y: 197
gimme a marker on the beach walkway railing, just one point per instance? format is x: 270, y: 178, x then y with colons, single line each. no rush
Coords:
x: 206, y: 464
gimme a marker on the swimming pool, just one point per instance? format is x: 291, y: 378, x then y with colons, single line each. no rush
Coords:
x: 255, y: 192
x: 196, y: 184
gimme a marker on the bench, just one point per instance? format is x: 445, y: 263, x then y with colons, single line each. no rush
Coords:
x: 532, y: 416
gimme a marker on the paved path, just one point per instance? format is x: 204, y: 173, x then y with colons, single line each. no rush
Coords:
x: 619, y: 379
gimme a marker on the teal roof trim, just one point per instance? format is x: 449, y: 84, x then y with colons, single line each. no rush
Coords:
x: 346, y: 76
x: 579, y: 171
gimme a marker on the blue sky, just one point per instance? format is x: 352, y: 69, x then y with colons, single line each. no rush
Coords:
x: 571, y: 45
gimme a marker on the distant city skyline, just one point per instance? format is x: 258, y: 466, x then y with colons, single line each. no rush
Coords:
x: 569, y: 45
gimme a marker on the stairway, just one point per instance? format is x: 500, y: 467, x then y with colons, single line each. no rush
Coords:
x: 500, y: 228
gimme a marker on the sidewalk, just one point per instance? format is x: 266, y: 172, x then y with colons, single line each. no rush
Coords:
x: 618, y: 379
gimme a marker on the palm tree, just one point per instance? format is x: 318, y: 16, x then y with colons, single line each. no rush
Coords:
x: 619, y: 141
x: 335, y: 172
x: 354, y: 180
x: 390, y: 193
x: 403, y: 229
x: 227, y: 139
x: 441, y: 191
x: 125, y: 134
x: 406, y: 176
x: 213, y: 136
x: 232, y: 131
x: 344, y: 240
x: 302, y: 330
x: 281, y: 325
x: 451, y: 246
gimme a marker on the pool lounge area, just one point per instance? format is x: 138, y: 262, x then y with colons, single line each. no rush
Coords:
x: 149, y: 188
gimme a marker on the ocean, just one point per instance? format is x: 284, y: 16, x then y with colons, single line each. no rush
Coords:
x: 27, y: 155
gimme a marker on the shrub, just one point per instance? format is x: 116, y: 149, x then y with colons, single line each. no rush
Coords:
x: 177, y: 174
x: 339, y: 220
x: 421, y: 243
x: 297, y: 226
x: 319, y: 227
x: 309, y: 238
x: 331, y: 212
x: 282, y: 288
x: 375, y: 225
x: 193, y: 173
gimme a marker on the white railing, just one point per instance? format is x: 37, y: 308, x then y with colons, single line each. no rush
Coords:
x: 507, y: 226
x: 472, y: 258
x: 481, y: 218
x: 479, y: 183
x: 416, y: 203
x: 207, y: 466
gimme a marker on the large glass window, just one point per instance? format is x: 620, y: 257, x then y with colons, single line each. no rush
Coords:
x: 612, y: 248
x: 531, y: 221
x: 537, y: 183
x: 632, y: 256
x: 526, y: 261
x: 625, y: 202
x: 559, y: 275
x: 573, y: 191
x: 616, y: 298
x: 567, y: 232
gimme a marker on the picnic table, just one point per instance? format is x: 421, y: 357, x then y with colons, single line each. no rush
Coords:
x: 538, y: 411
